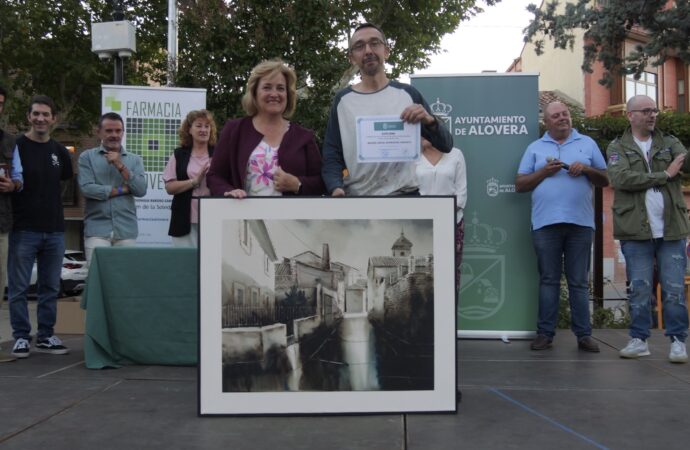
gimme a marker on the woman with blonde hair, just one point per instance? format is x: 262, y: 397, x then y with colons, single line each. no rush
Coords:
x: 264, y: 154
x: 185, y: 175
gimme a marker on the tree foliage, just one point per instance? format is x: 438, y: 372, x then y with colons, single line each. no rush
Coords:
x: 605, y: 128
x: 311, y: 36
x: 607, y: 24
x: 45, y: 47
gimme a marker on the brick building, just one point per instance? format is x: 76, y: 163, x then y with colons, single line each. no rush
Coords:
x: 562, y: 78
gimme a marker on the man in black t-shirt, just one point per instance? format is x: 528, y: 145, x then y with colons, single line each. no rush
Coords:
x: 38, y: 231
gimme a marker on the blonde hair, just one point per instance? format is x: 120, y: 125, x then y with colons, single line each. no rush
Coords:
x: 267, y: 69
x: 186, y: 138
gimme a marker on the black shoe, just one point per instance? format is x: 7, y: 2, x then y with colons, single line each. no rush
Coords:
x: 588, y: 344
x: 542, y: 342
x: 52, y: 345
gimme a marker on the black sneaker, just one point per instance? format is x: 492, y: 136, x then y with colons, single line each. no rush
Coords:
x: 21, y: 348
x: 52, y: 345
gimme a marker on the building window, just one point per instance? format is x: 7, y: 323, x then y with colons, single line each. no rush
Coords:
x: 681, y: 96
x: 245, y: 241
x: 238, y: 291
x: 646, y: 85
x: 255, y: 297
x: 267, y: 265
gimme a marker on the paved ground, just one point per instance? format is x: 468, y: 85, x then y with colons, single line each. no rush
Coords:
x: 512, y: 398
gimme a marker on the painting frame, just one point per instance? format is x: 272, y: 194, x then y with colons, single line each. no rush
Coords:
x: 222, y: 335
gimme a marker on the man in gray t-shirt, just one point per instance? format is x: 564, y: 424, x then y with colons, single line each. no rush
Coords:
x: 374, y: 95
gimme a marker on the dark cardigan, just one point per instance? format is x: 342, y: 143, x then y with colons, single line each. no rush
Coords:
x: 7, y: 143
x: 298, y: 155
x: 181, y: 207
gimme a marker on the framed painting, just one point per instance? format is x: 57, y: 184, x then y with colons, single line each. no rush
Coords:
x: 327, y: 306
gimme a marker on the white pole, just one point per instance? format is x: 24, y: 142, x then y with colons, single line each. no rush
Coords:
x: 172, y: 41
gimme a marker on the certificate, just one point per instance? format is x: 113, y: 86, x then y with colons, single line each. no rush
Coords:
x: 387, y: 139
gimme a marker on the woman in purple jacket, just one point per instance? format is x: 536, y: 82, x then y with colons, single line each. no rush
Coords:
x: 264, y: 154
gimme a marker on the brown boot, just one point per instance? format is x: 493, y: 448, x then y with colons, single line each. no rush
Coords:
x: 588, y: 344
x: 541, y: 342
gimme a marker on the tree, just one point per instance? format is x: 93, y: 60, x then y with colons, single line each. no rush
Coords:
x: 45, y: 47
x: 607, y: 24
x: 310, y: 35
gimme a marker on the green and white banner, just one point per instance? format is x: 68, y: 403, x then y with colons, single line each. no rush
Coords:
x: 152, y: 118
x: 493, y: 118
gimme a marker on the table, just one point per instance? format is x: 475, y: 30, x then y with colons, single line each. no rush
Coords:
x: 141, y: 307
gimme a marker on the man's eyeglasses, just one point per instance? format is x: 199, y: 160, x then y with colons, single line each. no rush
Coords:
x: 646, y: 111
x: 374, y: 44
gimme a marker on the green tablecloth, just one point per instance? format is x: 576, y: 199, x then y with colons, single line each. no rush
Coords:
x: 141, y: 307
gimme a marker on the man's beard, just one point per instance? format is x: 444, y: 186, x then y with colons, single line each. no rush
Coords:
x: 370, y: 70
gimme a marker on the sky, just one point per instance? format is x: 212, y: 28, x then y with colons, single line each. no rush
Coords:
x: 489, y: 41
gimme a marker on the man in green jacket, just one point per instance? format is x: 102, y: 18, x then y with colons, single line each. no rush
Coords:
x: 651, y: 221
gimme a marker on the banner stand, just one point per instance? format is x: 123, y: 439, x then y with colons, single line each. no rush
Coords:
x: 493, y: 118
x: 152, y: 117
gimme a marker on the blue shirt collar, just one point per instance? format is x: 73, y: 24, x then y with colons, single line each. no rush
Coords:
x: 101, y: 149
x: 574, y: 135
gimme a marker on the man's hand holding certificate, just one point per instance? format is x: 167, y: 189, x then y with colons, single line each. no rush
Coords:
x: 387, y: 139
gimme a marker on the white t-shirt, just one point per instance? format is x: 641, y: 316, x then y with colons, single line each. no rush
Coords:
x: 447, y: 177
x: 654, y: 200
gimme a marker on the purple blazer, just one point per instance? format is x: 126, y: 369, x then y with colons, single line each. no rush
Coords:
x: 298, y: 155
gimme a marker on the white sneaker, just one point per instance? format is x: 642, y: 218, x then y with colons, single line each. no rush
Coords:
x: 21, y: 348
x: 635, y: 348
x: 678, y: 353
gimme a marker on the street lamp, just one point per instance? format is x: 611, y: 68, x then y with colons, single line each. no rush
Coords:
x: 116, y: 39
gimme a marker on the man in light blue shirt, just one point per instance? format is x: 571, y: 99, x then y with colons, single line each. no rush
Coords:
x: 560, y: 169
x: 110, y: 178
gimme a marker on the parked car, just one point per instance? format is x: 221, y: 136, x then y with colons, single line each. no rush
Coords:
x: 72, y: 278
x: 74, y: 272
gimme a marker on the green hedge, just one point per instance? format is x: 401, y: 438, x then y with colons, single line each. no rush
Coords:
x: 606, y: 128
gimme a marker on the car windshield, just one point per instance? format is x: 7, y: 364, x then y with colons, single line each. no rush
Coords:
x: 76, y: 256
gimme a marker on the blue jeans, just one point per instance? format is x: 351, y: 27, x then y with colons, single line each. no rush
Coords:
x: 639, y: 266
x: 48, y: 249
x: 563, y: 247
